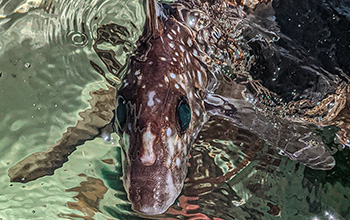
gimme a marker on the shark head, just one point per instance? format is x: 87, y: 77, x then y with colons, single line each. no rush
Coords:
x: 159, y: 113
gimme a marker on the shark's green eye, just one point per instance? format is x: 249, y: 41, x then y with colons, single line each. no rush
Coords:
x: 184, y: 115
x: 121, y: 112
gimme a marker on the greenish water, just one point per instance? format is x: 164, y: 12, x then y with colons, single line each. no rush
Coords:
x: 45, y: 80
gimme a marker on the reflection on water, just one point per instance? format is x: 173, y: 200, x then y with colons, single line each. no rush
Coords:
x: 48, y: 65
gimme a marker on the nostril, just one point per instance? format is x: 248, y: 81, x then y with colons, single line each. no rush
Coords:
x: 135, y: 154
x: 138, y: 153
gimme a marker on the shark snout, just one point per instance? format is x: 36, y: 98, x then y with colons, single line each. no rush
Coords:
x: 149, y: 198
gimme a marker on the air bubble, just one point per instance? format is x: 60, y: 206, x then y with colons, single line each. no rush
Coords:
x: 77, y: 39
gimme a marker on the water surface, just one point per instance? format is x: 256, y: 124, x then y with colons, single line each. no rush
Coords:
x: 45, y: 81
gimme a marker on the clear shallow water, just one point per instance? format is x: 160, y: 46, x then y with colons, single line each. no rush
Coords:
x: 46, y: 77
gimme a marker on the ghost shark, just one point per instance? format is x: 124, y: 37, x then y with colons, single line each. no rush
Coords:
x: 171, y: 88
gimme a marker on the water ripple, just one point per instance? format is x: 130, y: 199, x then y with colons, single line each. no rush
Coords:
x: 46, y: 78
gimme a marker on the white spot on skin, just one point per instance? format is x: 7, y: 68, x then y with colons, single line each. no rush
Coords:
x: 168, y: 162
x: 174, y: 59
x: 170, y: 37
x: 166, y: 118
x: 150, y: 62
x: 172, y: 45
x: 197, y: 112
x: 182, y: 86
x: 148, y: 157
x: 150, y: 98
x: 174, y: 32
x: 179, y: 145
x: 199, y: 75
x: 177, y: 86
x: 171, y: 147
x: 177, y: 162
x: 196, y: 95
x: 125, y: 85
x: 190, y: 95
x: 178, y: 29
x: 189, y: 42
x: 188, y: 58
x: 192, y: 73
x: 166, y: 79
x: 137, y: 72
x: 195, y: 53
x: 162, y: 58
x: 172, y: 75
x: 176, y: 54
x: 168, y: 131
x: 181, y: 48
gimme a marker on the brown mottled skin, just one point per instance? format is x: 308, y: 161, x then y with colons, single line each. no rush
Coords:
x: 143, y: 175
